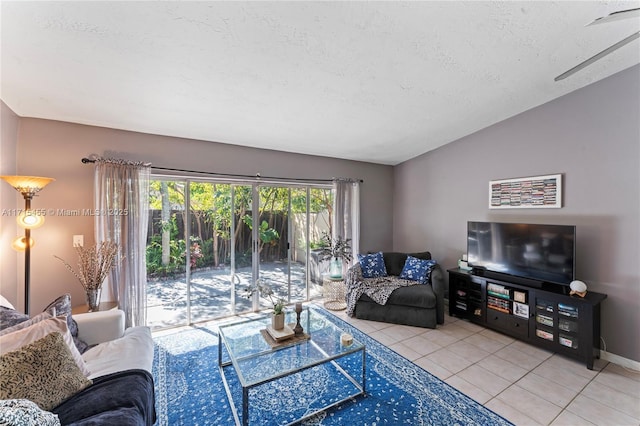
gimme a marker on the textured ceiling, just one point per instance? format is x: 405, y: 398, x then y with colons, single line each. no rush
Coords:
x: 381, y: 82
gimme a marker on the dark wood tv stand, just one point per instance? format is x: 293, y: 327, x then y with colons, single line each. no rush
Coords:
x: 543, y: 316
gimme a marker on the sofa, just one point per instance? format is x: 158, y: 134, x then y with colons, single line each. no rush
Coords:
x: 390, y: 298
x: 109, y: 383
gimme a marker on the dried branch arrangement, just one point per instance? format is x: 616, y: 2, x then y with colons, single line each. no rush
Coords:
x: 94, y: 263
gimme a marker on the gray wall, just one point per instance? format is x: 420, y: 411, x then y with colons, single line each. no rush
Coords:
x: 9, y: 122
x: 54, y: 149
x: 592, y: 137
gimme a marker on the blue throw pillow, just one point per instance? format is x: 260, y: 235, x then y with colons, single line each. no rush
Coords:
x: 417, y: 269
x: 372, y: 265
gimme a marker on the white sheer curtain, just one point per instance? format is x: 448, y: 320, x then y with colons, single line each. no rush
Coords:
x: 121, y: 191
x: 346, y: 212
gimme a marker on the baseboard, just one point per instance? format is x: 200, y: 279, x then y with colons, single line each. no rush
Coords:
x: 617, y: 359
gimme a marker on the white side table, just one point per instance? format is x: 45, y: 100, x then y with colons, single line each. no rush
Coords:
x: 335, y: 291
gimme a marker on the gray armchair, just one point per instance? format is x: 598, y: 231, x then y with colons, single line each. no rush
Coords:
x: 420, y: 305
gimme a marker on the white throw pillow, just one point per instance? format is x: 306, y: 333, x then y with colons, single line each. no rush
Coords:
x: 17, y: 339
x: 4, y: 302
x: 132, y: 351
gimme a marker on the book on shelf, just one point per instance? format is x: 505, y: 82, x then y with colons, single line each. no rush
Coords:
x: 544, y: 320
x: 543, y: 305
x: 567, y: 325
x: 496, y: 308
x: 520, y: 296
x: 498, y: 302
x: 498, y: 291
x: 567, y: 341
x: 499, y: 307
x: 521, y: 309
x: 567, y: 310
x: 544, y: 334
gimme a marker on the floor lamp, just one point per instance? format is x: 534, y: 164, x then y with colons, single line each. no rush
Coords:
x: 28, y: 186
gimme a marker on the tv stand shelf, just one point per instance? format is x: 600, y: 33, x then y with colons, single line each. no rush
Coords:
x: 544, y: 316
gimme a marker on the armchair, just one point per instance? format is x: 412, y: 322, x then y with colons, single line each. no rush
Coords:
x: 403, y: 302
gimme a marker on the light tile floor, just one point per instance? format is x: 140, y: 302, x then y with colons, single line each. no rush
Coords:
x: 524, y: 384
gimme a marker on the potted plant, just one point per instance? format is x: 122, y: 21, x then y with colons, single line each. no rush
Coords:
x: 94, y: 263
x: 336, y: 250
x: 264, y: 290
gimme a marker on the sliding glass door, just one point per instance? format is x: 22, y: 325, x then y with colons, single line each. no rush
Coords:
x: 220, y: 252
x: 166, y: 265
x: 210, y: 240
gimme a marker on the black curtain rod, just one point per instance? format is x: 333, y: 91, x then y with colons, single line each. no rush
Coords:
x: 256, y: 176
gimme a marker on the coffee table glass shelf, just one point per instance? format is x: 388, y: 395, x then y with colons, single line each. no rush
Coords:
x: 295, y: 380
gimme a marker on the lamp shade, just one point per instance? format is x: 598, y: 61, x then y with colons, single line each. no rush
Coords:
x: 30, y: 220
x: 20, y: 243
x: 27, y: 184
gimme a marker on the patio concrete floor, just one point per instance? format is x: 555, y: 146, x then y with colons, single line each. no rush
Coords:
x: 211, y: 293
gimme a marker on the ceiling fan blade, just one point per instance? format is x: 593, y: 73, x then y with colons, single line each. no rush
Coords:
x: 600, y: 55
x: 616, y: 16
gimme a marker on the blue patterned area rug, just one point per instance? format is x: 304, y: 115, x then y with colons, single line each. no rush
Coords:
x: 189, y: 390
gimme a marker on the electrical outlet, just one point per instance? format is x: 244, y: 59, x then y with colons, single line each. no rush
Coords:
x: 78, y: 240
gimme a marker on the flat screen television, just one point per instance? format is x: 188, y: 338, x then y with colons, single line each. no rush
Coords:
x: 539, y: 254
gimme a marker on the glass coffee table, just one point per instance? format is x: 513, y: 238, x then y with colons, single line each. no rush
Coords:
x: 314, y: 374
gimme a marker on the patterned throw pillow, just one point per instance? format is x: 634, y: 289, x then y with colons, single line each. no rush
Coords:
x: 25, y: 413
x: 62, y: 306
x: 372, y: 265
x: 43, y: 371
x: 10, y: 317
x: 19, y: 338
x: 417, y: 269
x: 24, y: 324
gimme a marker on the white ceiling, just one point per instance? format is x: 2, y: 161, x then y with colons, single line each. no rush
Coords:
x: 380, y: 82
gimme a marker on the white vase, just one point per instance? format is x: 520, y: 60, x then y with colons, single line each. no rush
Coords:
x: 277, y: 321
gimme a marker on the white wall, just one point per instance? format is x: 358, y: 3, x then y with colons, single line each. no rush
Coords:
x: 592, y: 137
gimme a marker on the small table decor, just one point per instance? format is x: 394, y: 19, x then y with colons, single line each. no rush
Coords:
x: 275, y: 344
x: 298, y: 330
x: 280, y: 334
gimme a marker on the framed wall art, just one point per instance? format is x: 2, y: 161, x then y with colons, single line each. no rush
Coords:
x: 537, y: 192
